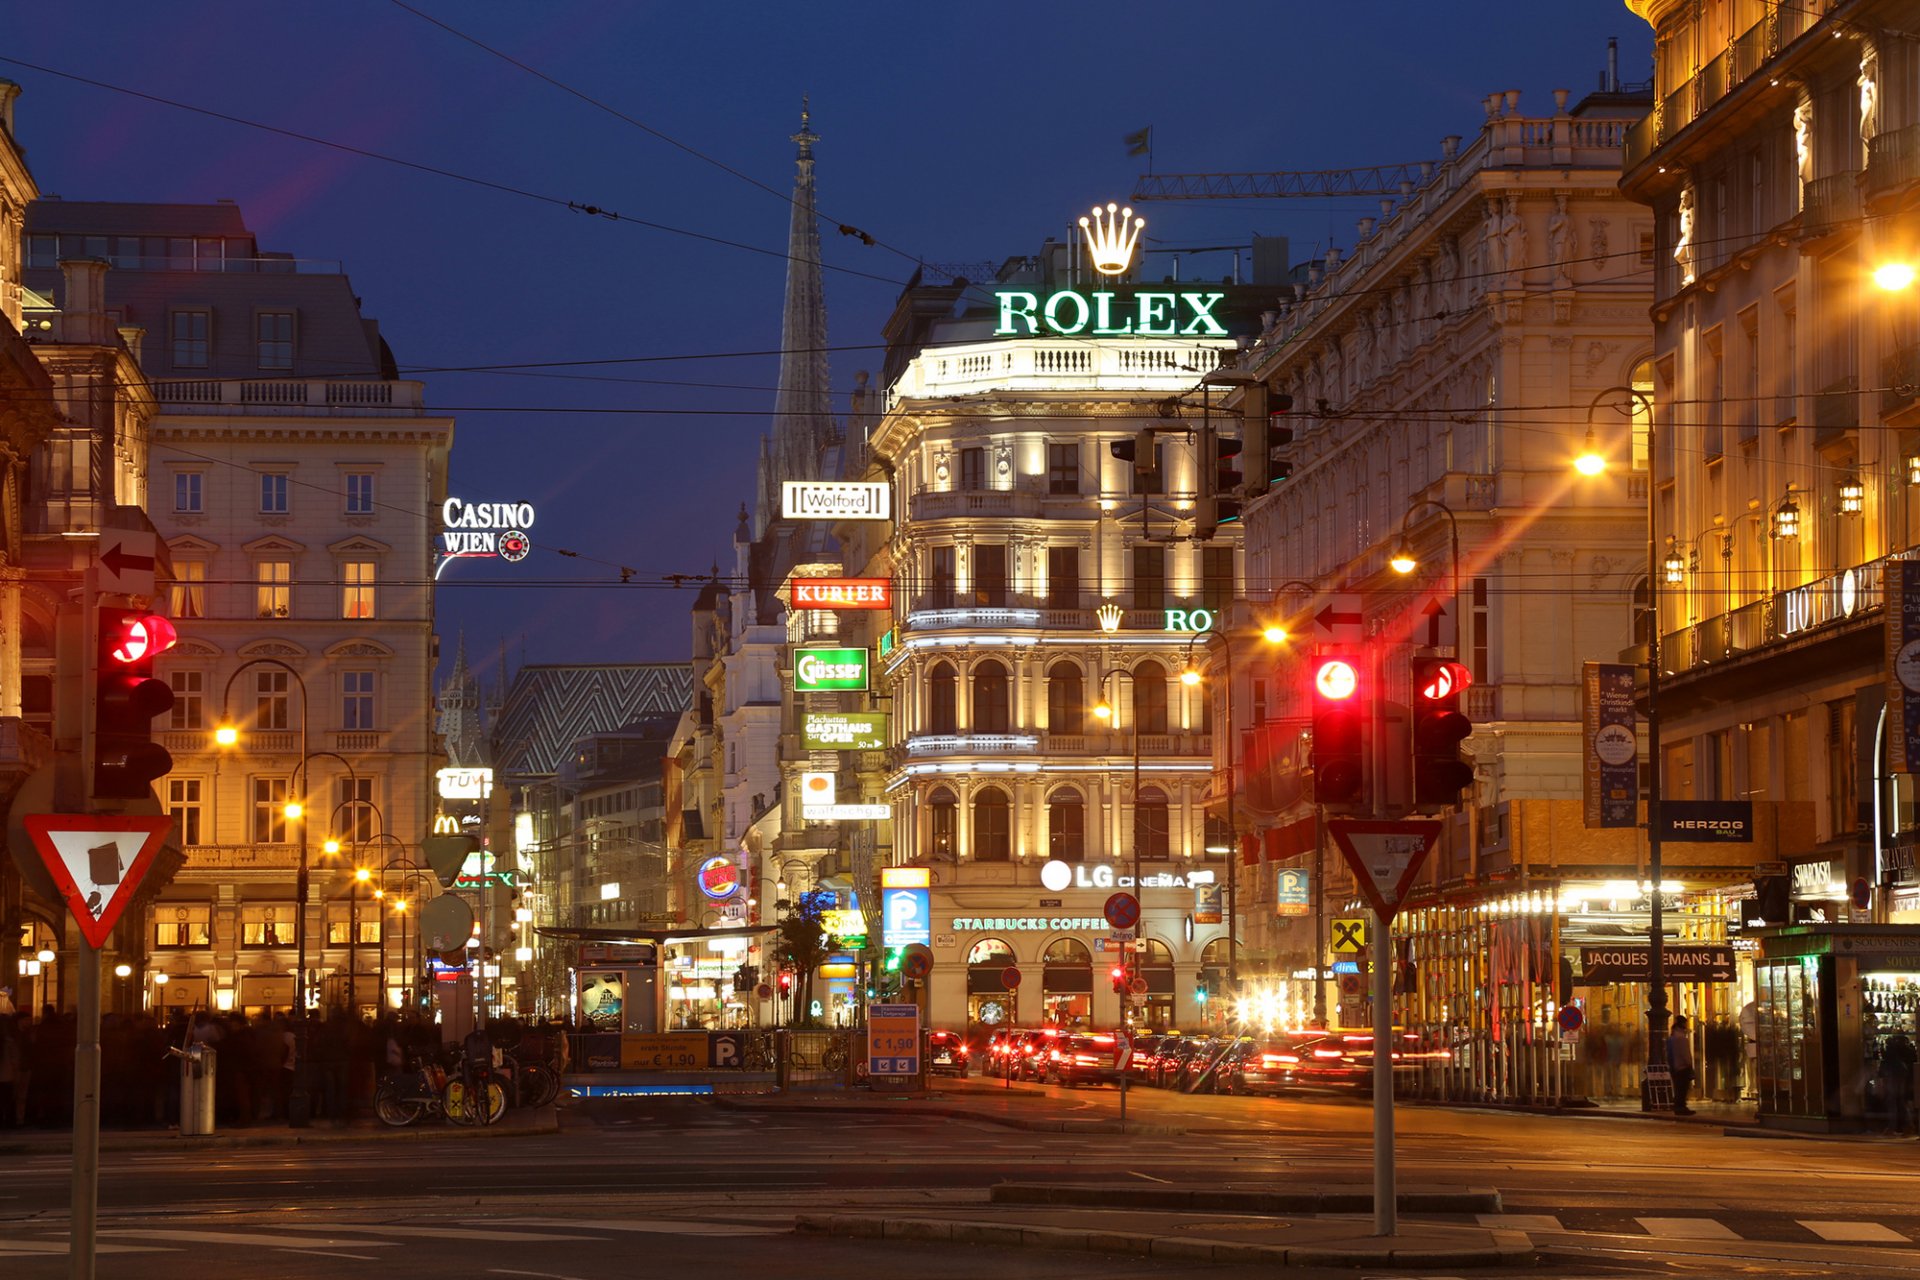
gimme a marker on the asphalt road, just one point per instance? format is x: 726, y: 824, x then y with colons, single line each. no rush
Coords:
x: 672, y: 1181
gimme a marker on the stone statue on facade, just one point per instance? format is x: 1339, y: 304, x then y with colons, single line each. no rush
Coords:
x: 1803, y: 140
x: 1513, y: 238
x: 1561, y: 243
x: 1685, y: 253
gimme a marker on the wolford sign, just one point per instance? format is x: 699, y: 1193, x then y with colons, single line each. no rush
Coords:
x: 485, y: 529
x: 1105, y: 314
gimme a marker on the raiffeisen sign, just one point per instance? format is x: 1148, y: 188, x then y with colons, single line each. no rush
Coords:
x: 473, y: 530
x: 1106, y: 313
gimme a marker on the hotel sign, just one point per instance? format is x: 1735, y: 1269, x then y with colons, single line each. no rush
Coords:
x: 816, y: 670
x: 1103, y: 313
x: 834, y: 500
x: 835, y: 731
x: 842, y: 593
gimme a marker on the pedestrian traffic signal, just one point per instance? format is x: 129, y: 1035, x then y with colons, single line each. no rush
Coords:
x: 1218, y: 502
x: 1120, y: 978
x: 786, y: 982
x: 1440, y: 772
x: 1340, y: 708
x: 126, y: 697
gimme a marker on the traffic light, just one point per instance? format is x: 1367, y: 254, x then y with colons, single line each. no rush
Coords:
x: 1200, y: 987
x: 126, y: 760
x: 1120, y: 978
x: 1140, y: 451
x: 1279, y: 437
x: 894, y: 956
x: 1340, y: 705
x: 1218, y: 502
x: 1440, y: 773
x: 786, y: 982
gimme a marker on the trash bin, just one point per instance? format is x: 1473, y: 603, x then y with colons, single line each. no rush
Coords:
x: 196, y: 1090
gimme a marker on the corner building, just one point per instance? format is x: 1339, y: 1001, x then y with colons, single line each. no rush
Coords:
x: 1036, y: 576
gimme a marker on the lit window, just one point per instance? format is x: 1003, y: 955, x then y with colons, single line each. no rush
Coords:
x: 274, y: 592
x: 357, y: 587
x: 187, y: 593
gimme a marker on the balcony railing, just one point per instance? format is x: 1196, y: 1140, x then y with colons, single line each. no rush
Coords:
x: 315, y: 395
x: 940, y: 504
x: 1893, y: 159
x: 243, y: 857
x: 1836, y: 409
x: 951, y: 744
x: 1831, y: 203
x: 1137, y: 364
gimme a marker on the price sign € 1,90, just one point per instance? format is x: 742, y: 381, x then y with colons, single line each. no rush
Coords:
x: 893, y: 1040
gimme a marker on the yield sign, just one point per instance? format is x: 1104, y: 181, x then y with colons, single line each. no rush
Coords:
x: 1384, y: 856
x: 97, y: 862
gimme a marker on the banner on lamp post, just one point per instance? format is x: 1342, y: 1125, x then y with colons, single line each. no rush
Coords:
x: 1610, y: 765
x: 1903, y: 666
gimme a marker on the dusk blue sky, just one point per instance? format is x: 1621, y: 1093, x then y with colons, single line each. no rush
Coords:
x: 954, y: 132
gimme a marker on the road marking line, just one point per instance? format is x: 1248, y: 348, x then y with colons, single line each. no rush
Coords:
x: 1854, y: 1232
x: 1149, y: 1177
x: 49, y: 1247
x: 651, y: 1226
x: 1520, y: 1221
x: 235, y: 1237
x: 1688, y: 1229
x: 544, y: 1275
x: 430, y: 1233
x: 333, y: 1253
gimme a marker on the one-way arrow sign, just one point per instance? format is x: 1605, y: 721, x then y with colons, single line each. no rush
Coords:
x: 126, y: 560
x: 1385, y: 857
x: 1436, y: 627
x: 1342, y: 620
x: 97, y: 862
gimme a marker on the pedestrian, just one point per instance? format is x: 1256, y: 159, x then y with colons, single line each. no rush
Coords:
x: 1680, y: 1063
x: 12, y: 1068
x: 1896, y: 1079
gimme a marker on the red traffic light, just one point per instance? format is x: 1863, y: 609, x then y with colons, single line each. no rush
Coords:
x: 1335, y: 679
x: 142, y: 637
x: 1443, y: 680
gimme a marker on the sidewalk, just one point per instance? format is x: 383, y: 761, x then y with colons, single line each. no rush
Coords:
x: 516, y: 1123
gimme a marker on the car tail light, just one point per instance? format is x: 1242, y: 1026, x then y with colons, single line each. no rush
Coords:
x: 1277, y: 1059
x: 1328, y: 1053
x: 1055, y: 1055
x: 1086, y: 1059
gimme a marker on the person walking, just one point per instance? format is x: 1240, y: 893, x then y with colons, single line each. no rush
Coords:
x: 1680, y: 1063
x: 1896, y: 1079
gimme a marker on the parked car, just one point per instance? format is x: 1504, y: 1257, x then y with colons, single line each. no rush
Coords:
x: 1201, y: 1071
x: 1084, y: 1058
x: 1270, y: 1066
x: 1143, y: 1055
x: 1030, y: 1053
x: 948, y: 1053
x: 999, y: 1055
x: 1344, y: 1059
x: 1171, y: 1061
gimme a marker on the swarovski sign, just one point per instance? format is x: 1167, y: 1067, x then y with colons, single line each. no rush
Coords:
x: 1147, y: 314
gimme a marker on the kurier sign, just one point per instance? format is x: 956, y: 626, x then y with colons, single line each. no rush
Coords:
x: 842, y: 593
x: 815, y: 670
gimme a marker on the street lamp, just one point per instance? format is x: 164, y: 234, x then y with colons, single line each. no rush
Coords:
x: 1656, y: 925
x: 1404, y: 561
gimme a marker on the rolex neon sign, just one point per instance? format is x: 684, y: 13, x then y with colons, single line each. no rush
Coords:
x: 1111, y: 235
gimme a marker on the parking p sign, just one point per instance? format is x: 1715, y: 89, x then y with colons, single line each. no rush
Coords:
x: 893, y: 1040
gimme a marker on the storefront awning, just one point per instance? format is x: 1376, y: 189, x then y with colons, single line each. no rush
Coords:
x: 642, y: 937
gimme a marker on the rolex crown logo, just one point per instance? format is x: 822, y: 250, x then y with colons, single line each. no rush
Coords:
x: 1109, y: 615
x: 1112, y: 233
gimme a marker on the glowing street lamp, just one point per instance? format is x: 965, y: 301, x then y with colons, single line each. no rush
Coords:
x: 1590, y: 462
x: 1402, y: 558
x: 226, y: 735
x: 1894, y: 277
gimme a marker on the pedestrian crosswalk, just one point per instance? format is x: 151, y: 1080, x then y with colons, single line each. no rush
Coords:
x: 1710, y: 1227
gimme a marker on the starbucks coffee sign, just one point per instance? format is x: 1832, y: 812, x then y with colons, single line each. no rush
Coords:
x: 1104, y: 313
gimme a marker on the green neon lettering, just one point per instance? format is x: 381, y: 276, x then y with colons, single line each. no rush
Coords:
x: 1155, y: 320
x: 1103, y: 319
x: 1203, y: 322
x: 1053, y: 312
x: 1011, y: 316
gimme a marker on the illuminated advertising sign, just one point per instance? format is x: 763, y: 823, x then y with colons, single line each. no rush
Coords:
x: 822, y: 669
x: 1187, y: 621
x: 719, y: 877
x: 907, y: 916
x: 905, y: 877
x: 465, y: 784
x: 839, y: 731
x: 842, y: 593
x: 483, y: 530
x: 817, y: 789
x: 845, y: 812
x: 835, y: 500
x: 1069, y: 313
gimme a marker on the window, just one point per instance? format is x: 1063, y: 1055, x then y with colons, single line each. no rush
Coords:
x: 191, y: 345
x: 992, y: 710
x: 1149, y: 577
x: 990, y: 573
x: 1150, y: 697
x: 942, y: 716
x: 187, y: 593
x: 341, y: 918
x: 269, y: 810
x: 266, y: 926
x: 188, y: 491
x: 180, y: 925
x: 359, y: 493
x: 189, y: 703
x: 273, y: 339
x: 356, y: 589
x: 1063, y: 468
x: 1067, y: 826
x: 1216, y: 577
x: 1478, y: 662
x: 353, y: 810
x: 973, y: 468
x: 274, y: 594
x: 183, y: 806
x: 356, y: 700
x: 1066, y: 699
x: 1150, y: 825
x: 940, y: 577
x: 992, y: 826
x: 273, y: 494
x: 1063, y: 577
x: 43, y: 251
x: 270, y: 698
x: 943, y: 823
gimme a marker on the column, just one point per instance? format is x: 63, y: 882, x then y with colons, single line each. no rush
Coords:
x: 12, y: 583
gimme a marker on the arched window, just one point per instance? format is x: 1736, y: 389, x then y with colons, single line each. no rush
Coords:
x: 992, y: 826
x: 1150, y: 824
x: 1066, y: 699
x: 943, y: 824
x: 1065, y: 952
x: 1067, y: 825
x: 1215, y: 955
x: 1156, y: 956
x: 990, y: 951
x: 1150, y: 697
x: 992, y: 702
x: 942, y: 713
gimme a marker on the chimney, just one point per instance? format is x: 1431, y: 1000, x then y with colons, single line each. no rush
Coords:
x: 83, y: 302
x: 133, y: 337
x: 1613, y: 64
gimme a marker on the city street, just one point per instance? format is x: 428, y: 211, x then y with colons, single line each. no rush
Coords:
x: 697, y: 1179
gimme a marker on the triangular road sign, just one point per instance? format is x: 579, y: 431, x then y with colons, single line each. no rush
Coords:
x: 1385, y: 856
x: 97, y: 862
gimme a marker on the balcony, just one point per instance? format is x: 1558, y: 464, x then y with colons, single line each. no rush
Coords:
x: 1032, y: 364
x: 971, y: 744
x: 243, y: 857
x: 250, y: 396
x: 1893, y: 159
x: 946, y: 504
x: 200, y: 741
x: 1830, y: 204
x: 1836, y: 410
x: 359, y: 740
x: 1899, y: 378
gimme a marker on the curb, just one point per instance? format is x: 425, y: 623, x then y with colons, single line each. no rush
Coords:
x: 736, y: 1103
x: 173, y: 1141
x: 1474, y: 1200
x: 1508, y: 1247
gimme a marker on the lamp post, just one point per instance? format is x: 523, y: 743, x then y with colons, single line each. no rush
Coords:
x: 1656, y: 942
x: 1104, y: 710
x: 1403, y: 561
x: 380, y: 895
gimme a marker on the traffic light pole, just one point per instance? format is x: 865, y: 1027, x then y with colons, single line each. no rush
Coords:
x: 1385, y: 1205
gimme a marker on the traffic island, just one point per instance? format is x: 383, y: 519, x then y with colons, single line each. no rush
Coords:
x: 1299, y: 1242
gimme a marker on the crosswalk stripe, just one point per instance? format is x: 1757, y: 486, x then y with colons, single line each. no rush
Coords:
x: 1520, y: 1221
x: 1687, y: 1229
x: 1853, y: 1232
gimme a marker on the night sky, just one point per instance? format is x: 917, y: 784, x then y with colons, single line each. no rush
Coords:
x: 954, y: 133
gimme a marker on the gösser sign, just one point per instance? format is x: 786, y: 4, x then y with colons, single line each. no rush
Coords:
x: 485, y: 529
x: 817, y: 669
x: 834, y: 500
